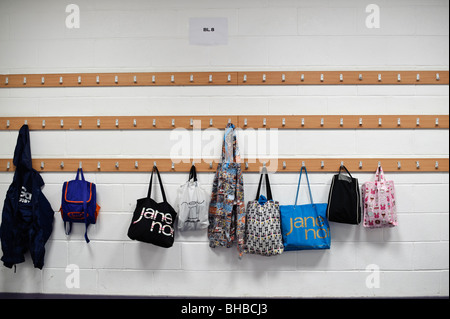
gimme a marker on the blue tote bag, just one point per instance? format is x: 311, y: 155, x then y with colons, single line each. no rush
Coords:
x: 305, y: 226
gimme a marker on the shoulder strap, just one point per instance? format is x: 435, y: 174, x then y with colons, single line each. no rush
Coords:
x: 345, y: 168
x: 268, y: 190
x: 193, y: 173
x: 149, y: 195
x: 80, y: 171
x: 298, y: 187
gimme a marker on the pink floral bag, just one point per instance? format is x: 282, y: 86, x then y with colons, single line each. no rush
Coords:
x: 379, y: 202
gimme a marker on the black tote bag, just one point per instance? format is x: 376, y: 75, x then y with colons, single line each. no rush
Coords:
x: 344, y: 200
x: 153, y: 222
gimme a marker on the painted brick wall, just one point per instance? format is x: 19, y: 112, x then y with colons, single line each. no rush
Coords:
x: 140, y: 35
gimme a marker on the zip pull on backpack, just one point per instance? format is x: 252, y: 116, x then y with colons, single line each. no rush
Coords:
x: 79, y: 203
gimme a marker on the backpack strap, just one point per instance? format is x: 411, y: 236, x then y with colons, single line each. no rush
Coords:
x: 85, y: 198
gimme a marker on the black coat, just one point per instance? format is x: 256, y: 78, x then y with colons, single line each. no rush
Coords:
x: 27, y: 218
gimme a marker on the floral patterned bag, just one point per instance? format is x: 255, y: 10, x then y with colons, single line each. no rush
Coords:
x: 227, y: 209
x: 379, y: 202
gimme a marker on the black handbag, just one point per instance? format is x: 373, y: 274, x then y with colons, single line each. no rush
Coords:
x: 153, y: 222
x: 344, y: 200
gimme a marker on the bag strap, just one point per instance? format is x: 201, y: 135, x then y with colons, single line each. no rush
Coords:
x: 193, y: 173
x: 345, y: 168
x: 155, y: 169
x: 80, y: 171
x: 229, y: 149
x: 85, y: 199
x: 268, y: 190
x: 298, y: 187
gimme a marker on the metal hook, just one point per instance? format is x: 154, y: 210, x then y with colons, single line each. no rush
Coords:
x: 117, y: 165
x: 136, y: 164
x: 284, y: 164
x: 62, y: 165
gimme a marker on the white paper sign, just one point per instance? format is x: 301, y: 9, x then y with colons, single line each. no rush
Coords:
x: 208, y: 31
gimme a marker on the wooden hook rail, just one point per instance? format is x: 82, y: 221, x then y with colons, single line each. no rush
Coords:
x: 244, y: 122
x: 248, y: 165
x: 225, y: 78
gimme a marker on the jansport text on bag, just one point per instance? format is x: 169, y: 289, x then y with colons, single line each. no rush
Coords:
x: 380, y: 209
x: 192, y: 204
x: 305, y: 226
x: 79, y: 203
x: 227, y: 209
x: 263, y: 227
x: 344, y: 199
x: 153, y: 222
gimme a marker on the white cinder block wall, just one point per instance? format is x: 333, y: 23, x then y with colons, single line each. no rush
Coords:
x: 139, y: 35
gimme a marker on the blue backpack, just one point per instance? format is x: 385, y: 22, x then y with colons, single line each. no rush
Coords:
x: 79, y: 203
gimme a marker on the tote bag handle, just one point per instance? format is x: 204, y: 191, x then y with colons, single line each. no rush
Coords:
x: 193, y: 173
x: 298, y: 187
x: 155, y: 169
x: 268, y: 190
x: 345, y: 168
x: 230, y: 150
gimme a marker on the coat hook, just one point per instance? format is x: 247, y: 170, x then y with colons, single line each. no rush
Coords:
x: 7, y: 123
x: 154, y: 164
x: 399, y: 122
x: 6, y: 81
x: 417, y: 164
x: 436, y: 165
x: 360, y: 164
x: 79, y: 79
x: 283, y: 122
x: 342, y: 163
x: 283, y: 78
x: 135, y: 79
x: 341, y: 122
x: 210, y: 165
x: 173, y: 122
x: 117, y: 122
x: 24, y: 80
x: 264, y: 122
x: 210, y: 78
x: 246, y: 165
x: 322, y: 164
x: 136, y: 164
x: 116, y: 79
x: 43, y: 123
x: 80, y: 164
x: 191, y: 78
x: 80, y: 123
x: 60, y: 80
x: 62, y: 165
x: 153, y: 79
x: 418, y: 77
x: 284, y: 164
x: 418, y: 122
x: 399, y: 77
x: 154, y: 122
x: 245, y: 122
x: 97, y: 79
x: 379, y: 164
x: 25, y: 122
x: 303, y: 122
x: 245, y: 77
x: 134, y: 122
x: 8, y: 165
x: 321, y: 78
x: 438, y: 77
x: 379, y: 77
x: 437, y: 122
x: 360, y: 121
x: 229, y: 121
x: 303, y: 164
x: 229, y: 78
x: 191, y: 122
x: 172, y: 78
x: 210, y: 122
x: 98, y: 165
x: 321, y: 122
x: 302, y: 77
x: 379, y: 121
x: 399, y: 165
x: 173, y: 166
x: 42, y: 165
x: 264, y: 78
x: 360, y: 77
x: 62, y: 123
x: 43, y: 80
x: 341, y: 77
x: 117, y: 165
x: 98, y: 122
